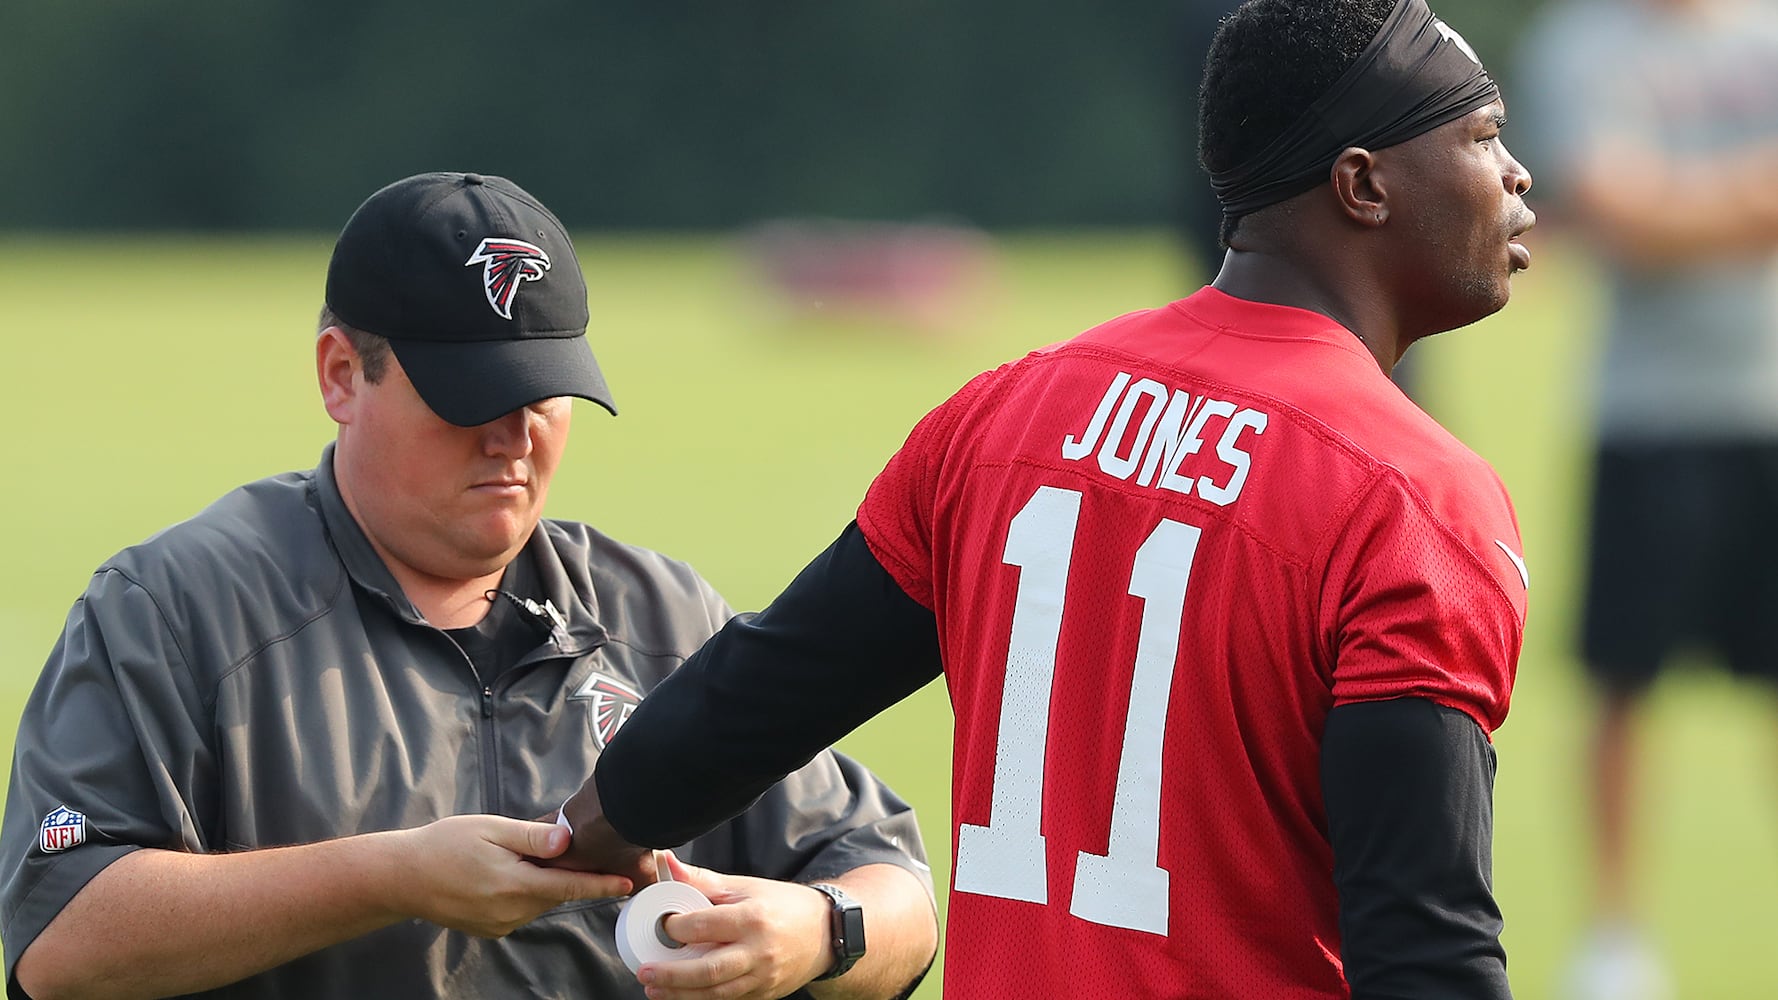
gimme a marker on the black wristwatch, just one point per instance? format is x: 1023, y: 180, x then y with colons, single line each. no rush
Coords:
x: 847, y: 930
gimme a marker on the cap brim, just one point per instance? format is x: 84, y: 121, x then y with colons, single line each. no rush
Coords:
x: 472, y: 383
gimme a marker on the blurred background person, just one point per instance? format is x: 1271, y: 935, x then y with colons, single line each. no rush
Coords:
x: 1653, y: 127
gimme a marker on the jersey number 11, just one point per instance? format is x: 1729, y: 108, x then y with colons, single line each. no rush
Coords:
x: 1125, y: 887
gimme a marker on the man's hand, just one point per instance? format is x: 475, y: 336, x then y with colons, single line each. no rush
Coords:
x: 477, y: 874
x: 244, y: 912
x: 771, y: 938
x: 597, y: 847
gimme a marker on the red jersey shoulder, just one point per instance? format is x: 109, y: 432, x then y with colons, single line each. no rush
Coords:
x: 1459, y: 491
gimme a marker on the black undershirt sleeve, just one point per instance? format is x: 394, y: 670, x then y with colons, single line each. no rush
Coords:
x: 1409, y: 790
x: 765, y: 695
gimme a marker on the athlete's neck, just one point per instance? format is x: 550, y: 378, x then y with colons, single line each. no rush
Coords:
x: 1348, y: 299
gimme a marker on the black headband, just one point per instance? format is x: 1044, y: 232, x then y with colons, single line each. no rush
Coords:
x: 1416, y: 75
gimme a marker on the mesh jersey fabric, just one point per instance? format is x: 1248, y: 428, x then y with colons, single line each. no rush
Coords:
x: 1159, y: 554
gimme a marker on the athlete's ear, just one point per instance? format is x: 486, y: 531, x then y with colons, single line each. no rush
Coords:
x: 336, y: 364
x: 1360, y: 187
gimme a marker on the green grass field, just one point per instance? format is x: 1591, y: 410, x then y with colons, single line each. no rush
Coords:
x: 148, y: 376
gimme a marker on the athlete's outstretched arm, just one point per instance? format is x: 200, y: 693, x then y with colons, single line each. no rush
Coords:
x: 762, y: 697
x: 1409, y: 789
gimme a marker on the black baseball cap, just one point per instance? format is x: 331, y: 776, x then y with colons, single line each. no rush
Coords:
x: 477, y: 289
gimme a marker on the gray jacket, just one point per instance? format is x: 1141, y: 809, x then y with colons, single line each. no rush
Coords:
x: 254, y: 677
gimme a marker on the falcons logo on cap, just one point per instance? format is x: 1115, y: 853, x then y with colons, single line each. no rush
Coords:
x: 506, y: 262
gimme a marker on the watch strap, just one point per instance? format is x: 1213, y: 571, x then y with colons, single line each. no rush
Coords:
x: 845, y: 930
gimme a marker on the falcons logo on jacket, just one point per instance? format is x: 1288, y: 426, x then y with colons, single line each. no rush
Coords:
x: 505, y: 263
x: 613, y: 701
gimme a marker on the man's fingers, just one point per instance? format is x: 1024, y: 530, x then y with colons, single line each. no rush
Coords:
x: 712, y: 968
x: 710, y: 883
x: 681, y: 871
x: 717, y: 925
x: 569, y: 886
x: 537, y: 839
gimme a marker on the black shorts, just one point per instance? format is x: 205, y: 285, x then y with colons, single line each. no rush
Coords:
x: 1683, y: 555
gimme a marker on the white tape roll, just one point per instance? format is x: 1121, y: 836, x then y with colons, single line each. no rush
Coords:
x: 639, y: 937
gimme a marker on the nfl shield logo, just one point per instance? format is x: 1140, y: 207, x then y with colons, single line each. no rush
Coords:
x: 62, y: 828
x: 613, y: 701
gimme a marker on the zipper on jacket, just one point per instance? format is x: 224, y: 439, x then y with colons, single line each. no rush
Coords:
x: 490, y: 765
x: 484, y: 733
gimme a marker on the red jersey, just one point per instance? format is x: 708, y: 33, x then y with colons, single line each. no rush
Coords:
x: 1159, y: 554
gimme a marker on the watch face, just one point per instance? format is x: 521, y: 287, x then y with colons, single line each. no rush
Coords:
x: 851, y: 920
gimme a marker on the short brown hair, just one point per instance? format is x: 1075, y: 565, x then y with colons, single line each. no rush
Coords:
x: 373, y: 350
